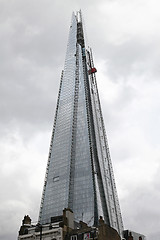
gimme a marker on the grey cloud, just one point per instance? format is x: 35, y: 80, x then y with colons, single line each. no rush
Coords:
x: 132, y: 58
x: 144, y: 207
x: 33, y: 43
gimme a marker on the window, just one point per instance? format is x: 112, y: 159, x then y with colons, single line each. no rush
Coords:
x: 74, y: 237
x: 86, y: 236
x: 55, y: 179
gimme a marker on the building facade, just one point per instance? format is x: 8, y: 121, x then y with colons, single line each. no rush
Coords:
x: 79, y: 199
x: 65, y: 228
x: 79, y: 171
x: 131, y: 235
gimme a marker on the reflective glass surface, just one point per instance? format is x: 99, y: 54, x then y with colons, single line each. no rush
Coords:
x: 83, y: 200
x: 57, y: 185
x: 79, y: 172
x: 113, y: 214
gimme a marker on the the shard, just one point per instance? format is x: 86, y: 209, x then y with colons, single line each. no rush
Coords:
x: 79, y: 171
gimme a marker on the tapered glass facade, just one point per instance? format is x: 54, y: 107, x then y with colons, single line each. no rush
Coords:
x: 79, y: 172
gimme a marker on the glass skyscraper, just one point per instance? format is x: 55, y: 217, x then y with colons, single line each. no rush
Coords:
x: 79, y: 171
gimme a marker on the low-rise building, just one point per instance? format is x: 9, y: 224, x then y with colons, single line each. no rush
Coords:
x: 65, y: 228
x: 130, y: 235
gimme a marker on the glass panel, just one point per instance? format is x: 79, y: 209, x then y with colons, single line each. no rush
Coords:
x: 56, y: 192
x: 83, y: 201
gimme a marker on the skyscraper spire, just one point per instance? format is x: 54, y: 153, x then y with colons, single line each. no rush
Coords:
x: 79, y: 172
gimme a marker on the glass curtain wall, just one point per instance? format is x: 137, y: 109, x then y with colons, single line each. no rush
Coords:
x: 79, y: 171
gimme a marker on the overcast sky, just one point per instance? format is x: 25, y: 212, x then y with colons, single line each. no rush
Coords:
x: 124, y: 36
